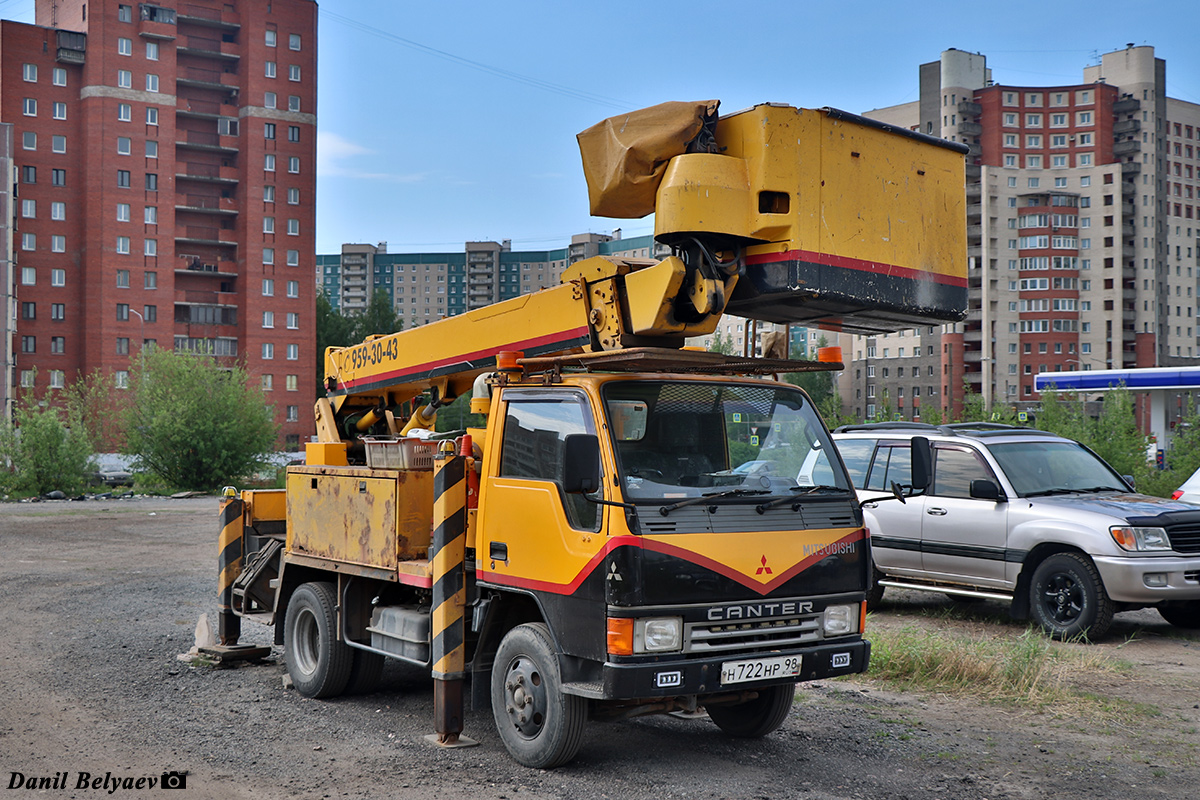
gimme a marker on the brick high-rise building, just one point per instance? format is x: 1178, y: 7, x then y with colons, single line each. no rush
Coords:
x: 1083, y: 226
x: 165, y: 188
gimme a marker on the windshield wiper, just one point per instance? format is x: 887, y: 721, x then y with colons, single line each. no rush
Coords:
x: 1097, y: 489
x: 664, y: 510
x: 1055, y: 490
x: 780, y: 501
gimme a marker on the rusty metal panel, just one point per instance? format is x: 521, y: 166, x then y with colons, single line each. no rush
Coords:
x: 265, y: 504
x: 374, y: 518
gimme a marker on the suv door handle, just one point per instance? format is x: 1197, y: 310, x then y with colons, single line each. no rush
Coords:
x: 937, y: 512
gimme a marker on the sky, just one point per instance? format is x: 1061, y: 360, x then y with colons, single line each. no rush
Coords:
x: 446, y: 122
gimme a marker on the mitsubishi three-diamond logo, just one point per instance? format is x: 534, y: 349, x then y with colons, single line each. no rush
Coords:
x: 764, y: 569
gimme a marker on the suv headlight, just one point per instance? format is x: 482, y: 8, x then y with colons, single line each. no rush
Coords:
x: 1131, y: 538
x: 840, y: 620
x: 658, y: 635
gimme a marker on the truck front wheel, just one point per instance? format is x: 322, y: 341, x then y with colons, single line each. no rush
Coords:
x: 758, y: 717
x: 1067, y: 598
x: 540, y: 726
x: 317, y: 660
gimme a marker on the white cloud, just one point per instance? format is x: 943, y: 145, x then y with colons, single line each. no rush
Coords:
x: 337, y: 158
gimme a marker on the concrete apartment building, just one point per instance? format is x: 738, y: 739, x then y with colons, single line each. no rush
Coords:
x: 1083, y: 206
x: 164, y: 161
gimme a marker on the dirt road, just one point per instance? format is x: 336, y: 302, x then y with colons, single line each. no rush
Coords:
x: 100, y: 597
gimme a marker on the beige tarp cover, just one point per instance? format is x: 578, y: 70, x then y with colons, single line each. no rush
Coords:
x: 624, y: 157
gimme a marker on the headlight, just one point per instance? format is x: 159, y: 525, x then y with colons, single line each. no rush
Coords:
x: 841, y: 620
x: 658, y: 635
x: 1130, y: 538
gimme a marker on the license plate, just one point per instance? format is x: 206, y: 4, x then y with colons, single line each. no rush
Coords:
x: 760, y: 669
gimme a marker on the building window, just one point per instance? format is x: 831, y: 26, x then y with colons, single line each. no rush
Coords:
x: 293, y: 258
x: 294, y: 72
x: 121, y: 379
x: 269, y: 100
x: 58, y: 277
x: 123, y: 245
x: 29, y: 209
x: 268, y: 287
x: 293, y: 133
x: 58, y: 144
x: 29, y: 140
x: 150, y: 313
x: 150, y: 280
x: 152, y: 51
x: 294, y: 165
x: 151, y: 149
x: 123, y: 279
x: 28, y: 241
x: 123, y: 145
x: 293, y: 197
x: 150, y: 247
x: 268, y: 319
x: 1083, y: 118
x: 29, y: 174
x: 124, y: 46
x: 293, y: 102
x: 291, y: 383
x: 122, y: 312
x: 151, y: 116
x: 268, y: 382
x: 150, y: 216
x: 293, y: 288
x: 293, y: 227
x: 151, y: 182
x: 268, y: 351
x: 124, y: 79
x: 293, y: 352
x: 1059, y: 162
x: 269, y: 162
x: 1033, y: 120
x: 58, y: 311
x: 122, y: 345
x: 268, y: 255
x: 151, y: 83
x: 58, y: 177
x: 268, y: 194
x: 58, y: 379
x: 268, y: 224
x: 28, y: 310
x: 1085, y: 159
x: 28, y: 344
x: 122, y: 212
x: 29, y: 72
x: 269, y: 69
x: 270, y: 38
x: 58, y: 211
x: 293, y: 320
x: 58, y: 344
x: 58, y: 244
x: 293, y: 413
x: 28, y: 276
x: 269, y: 130
x: 124, y: 13
x: 60, y: 110
x: 29, y: 107
x: 293, y: 41
x: 59, y: 77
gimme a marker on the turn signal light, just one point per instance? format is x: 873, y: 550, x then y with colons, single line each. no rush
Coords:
x: 620, y: 636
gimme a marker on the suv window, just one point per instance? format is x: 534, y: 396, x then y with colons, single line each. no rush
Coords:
x: 893, y: 464
x: 953, y: 470
x: 856, y: 453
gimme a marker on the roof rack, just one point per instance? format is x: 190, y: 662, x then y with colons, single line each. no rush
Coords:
x: 974, y: 429
x: 887, y: 426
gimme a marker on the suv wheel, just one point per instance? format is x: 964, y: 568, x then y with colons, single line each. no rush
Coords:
x: 1181, y: 613
x: 1067, y: 598
x: 874, y: 590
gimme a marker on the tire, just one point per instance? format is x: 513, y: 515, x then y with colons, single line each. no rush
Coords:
x: 758, y: 717
x: 318, y: 662
x: 874, y: 590
x: 540, y: 726
x: 366, y: 670
x: 1181, y: 613
x: 1067, y: 598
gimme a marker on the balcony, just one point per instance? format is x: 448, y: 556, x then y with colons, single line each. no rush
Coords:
x: 208, y: 173
x: 201, y: 78
x: 969, y: 108
x: 72, y: 47
x: 209, y: 18
x: 1130, y: 167
x: 204, y: 235
x: 190, y: 297
x: 207, y: 204
x: 1126, y: 105
x: 1127, y: 126
x: 199, y: 267
x: 970, y: 128
x: 207, y: 140
x: 204, y: 47
x: 1126, y: 148
x: 156, y: 22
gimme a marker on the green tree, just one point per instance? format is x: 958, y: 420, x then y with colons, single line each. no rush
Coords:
x: 721, y: 344
x: 333, y: 330
x: 47, y: 449
x: 378, y: 318
x: 194, y: 424
x: 1115, y: 435
x: 1063, y: 413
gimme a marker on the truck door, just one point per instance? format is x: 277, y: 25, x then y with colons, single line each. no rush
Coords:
x: 963, y: 539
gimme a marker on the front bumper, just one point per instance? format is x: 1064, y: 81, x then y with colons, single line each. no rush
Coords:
x: 1125, y: 578
x: 680, y: 676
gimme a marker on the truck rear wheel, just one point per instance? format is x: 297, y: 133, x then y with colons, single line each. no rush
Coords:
x: 317, y: 660
x: 1067, y: 598
x: 366, y: 670
x: 758, y: 717
x: 540, y: 726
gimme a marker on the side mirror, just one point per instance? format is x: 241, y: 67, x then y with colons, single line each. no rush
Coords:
x: 985, y: 490
x: 581, y: 463
x: 1129, y: 479
x: 922, y: 464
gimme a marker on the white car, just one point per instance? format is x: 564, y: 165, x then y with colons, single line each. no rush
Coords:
x: 1190, y: 491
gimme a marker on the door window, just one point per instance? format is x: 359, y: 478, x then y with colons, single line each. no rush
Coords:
x: 954, y: 469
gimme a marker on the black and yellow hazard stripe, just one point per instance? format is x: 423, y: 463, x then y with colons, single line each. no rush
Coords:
x: 229, y: 566
x: 447, y: 551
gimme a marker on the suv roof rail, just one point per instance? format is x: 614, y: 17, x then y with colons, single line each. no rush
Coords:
x: 985, y: 428
x: 887, y: 426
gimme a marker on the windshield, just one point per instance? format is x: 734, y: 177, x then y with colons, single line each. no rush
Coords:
x: 682, y: 440
x: 1043, y: 468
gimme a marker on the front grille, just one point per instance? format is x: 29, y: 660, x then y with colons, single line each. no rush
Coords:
x: 723, y: 637
x: 1184, y: 538
x: 1193, y: 576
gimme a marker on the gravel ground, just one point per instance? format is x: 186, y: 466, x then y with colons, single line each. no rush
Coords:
x: 101, y: 597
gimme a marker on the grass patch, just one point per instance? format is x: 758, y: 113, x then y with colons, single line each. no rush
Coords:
x: 1029, y: 670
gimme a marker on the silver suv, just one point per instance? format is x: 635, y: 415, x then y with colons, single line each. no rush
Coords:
x: 1024, y: 516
